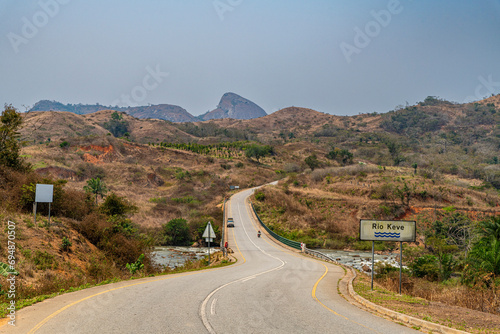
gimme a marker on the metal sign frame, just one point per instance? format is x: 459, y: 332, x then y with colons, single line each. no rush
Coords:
x: 207, y: 234
x: 388, y: 230
x: 44, y: 193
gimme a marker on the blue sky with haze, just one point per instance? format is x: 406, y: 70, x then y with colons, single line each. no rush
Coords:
x: 338, y: 57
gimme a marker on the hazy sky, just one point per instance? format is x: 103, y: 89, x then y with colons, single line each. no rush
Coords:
x: 339, y: 57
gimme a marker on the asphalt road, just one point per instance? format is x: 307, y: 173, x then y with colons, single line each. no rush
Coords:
x: 269, y: 290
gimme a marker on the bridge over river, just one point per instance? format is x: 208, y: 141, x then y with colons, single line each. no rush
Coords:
x: 269, y: 290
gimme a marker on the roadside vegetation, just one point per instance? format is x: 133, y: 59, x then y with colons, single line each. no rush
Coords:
x: 445, y: 314
x: 96, y: 234
x: 123, y: 185
x: 456, y: 259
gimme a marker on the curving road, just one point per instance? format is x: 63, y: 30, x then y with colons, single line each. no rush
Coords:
x: 269, y: 290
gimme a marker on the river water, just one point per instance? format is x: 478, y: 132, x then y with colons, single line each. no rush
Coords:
x: 175, y: 256
x: 361, y: 260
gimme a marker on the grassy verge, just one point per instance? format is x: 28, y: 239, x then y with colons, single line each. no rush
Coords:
x: 189, y: 266
x: 454, y: 317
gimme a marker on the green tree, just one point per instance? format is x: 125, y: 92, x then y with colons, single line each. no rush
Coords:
x: 484, y: 257
x: 394, y: 151
x: 312, y: 161
x: 415, y: 166
x: 115, y: 205
x: 342, y: 156
x: 176, y: 232
x: 258, y: 151
x: 96, y: 187
x: 405, y: 193
x: 116, y: 125
x: 425, y: 266
x: 443, y: 252
x: 66, y: 244
x: 10, y: 123
x: 116, y: 116
x: 490, y: 229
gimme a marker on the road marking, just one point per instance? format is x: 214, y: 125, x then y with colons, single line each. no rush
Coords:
x: 44, y: 321
x: 212, y: 308
x: 248, y: 278
x: 51, y: 316
x: 203, y: 307
x: 48, y: 318
x: 313, y: 293
x: 238, y: 248
x: 244, y: 228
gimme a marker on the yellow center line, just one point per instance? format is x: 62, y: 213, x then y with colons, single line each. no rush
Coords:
x: 238, y: 248
x: 48, y: 318
x: 313, y: 293
x: 44, y: 321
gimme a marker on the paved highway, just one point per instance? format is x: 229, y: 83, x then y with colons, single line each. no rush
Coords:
x: 269, y: 290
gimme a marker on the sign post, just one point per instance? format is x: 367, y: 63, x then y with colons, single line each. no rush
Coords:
x: 373, y: 260
x: 209, y: 236
x: 43, y: 194
x: 388, y: 230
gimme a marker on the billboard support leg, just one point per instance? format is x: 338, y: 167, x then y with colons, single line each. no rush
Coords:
x: 373, y: 260
x: 48, y: 224
x: 400, y: 264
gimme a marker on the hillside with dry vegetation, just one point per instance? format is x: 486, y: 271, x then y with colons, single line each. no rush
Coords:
x: 436, y: 162
x: 323, y: 208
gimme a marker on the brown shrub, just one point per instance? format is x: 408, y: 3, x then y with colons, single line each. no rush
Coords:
x: 475, y: 298
x: 74, y: 204
x: 106, y: 236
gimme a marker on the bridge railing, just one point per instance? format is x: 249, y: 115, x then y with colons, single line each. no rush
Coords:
x: 291, y: 243
x: 288, y: 242
x: 319, y: 255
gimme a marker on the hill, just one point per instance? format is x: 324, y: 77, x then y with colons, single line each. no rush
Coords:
x: 436, y: 162
x: 52, y: 125
x: 162, y: 111
x: 234, y: 106
x: 230, y: 106
x: 80, y: 109
x: 495, y: 99
x: 41, y: 127
x: 458, y: 139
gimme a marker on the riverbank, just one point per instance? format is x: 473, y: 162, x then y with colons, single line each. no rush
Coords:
x: 176, y: 256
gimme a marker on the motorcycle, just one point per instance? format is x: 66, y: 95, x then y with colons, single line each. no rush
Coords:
x: 258, y: 234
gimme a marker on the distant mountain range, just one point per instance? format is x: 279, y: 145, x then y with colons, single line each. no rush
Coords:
x: 231, y: 105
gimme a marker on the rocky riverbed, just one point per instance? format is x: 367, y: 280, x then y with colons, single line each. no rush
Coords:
x: 361, y: 260
x: 175, y: 256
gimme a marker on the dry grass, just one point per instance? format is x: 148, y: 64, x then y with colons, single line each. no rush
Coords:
x: 326, y: 205
x: 143, y: 173
x: 447, y: 310
x: 450, y: 293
